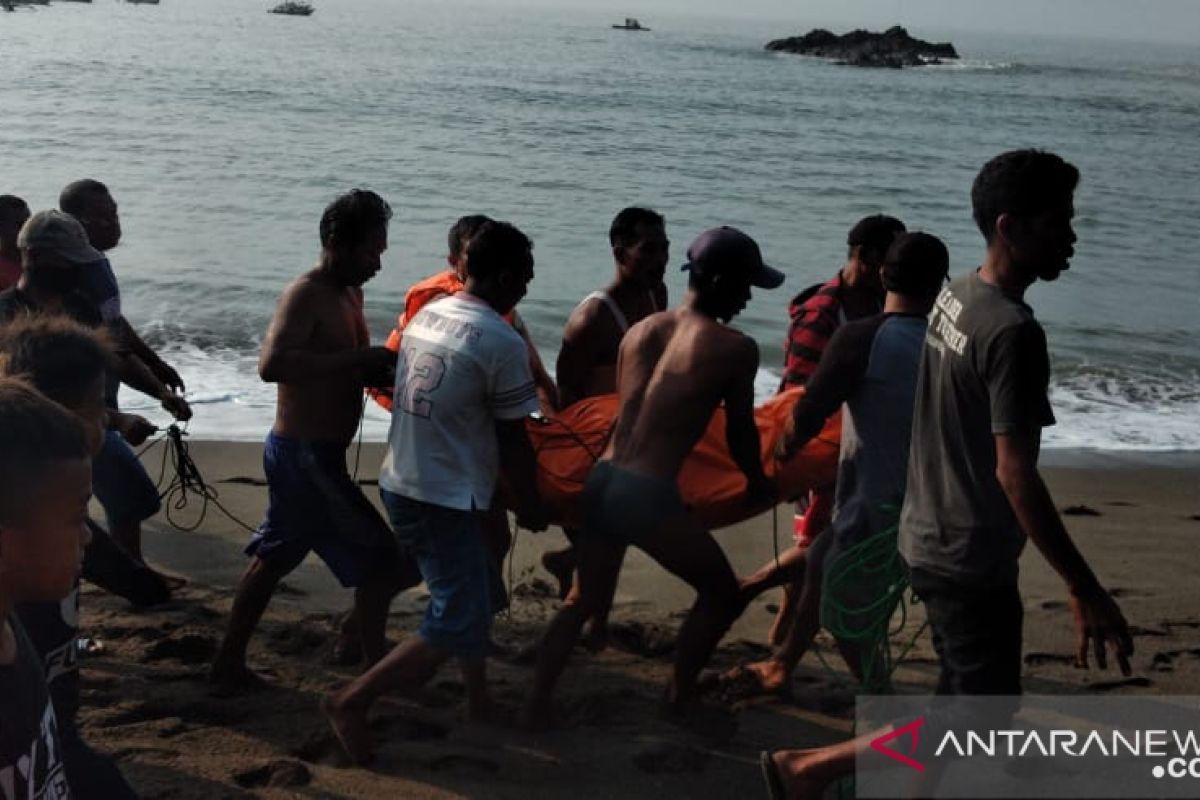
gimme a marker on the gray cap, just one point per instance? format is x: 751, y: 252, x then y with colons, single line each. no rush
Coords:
x: 60, y: 233
x: 728, y: 251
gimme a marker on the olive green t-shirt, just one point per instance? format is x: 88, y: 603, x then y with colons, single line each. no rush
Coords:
x: 985, y: 370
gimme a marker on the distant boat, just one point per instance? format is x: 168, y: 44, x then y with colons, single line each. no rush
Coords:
x: 631, y: 24
x: 136, y: 2
x: 293, y: 8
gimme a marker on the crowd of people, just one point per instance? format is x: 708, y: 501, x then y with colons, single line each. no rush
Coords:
x: 942, y: 387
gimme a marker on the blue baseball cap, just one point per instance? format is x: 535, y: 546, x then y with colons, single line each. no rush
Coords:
x: 728, y: 251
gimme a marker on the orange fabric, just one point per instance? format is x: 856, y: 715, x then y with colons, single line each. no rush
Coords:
x: 443, y: 284
x: 711, y: 484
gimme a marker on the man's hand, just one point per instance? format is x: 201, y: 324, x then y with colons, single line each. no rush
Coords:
x: 1098, y: 624
x: 786, y: 445
x: 133, y: 429
x: 378, y: 365
x: 785, y: 448
x: 176, y: 406
x: 170, y: 378
x: 761, y: 493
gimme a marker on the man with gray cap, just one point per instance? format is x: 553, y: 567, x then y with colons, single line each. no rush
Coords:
x: 54, y: 249
x: 674, y: 369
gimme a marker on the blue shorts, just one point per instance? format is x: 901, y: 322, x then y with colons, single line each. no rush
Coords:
x: 622, y: 507
x: 121, y: 484
x: 315, y: 505
x: 462, y: 578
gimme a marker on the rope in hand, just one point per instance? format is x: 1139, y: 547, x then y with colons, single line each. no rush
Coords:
x: 185, y: 482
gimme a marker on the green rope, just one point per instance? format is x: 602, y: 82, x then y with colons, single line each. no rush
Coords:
x: 864, y: 589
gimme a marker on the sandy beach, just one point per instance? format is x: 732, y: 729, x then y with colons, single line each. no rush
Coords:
x: 146, y: 700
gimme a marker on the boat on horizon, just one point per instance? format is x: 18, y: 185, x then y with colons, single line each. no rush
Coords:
x: 293, y: 8
x: 631, y: 24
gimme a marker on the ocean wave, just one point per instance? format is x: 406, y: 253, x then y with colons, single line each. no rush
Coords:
x: 1100, y: 408
x: 972, y: 65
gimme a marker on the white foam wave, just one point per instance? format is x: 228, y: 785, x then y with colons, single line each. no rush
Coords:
x: 1096, y: 409
x: 971, y: 65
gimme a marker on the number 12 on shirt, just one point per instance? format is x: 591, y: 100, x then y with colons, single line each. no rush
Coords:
x: 423, y: 373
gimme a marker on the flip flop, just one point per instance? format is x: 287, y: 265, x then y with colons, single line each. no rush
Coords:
x: 770, y: 774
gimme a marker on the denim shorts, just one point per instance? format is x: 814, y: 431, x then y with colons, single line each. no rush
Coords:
x: 458, y: 570
x: 121, y: 483
x: 315, y: 505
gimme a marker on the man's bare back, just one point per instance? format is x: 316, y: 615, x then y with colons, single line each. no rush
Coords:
x: 673, y: 370
x: 316, y: 349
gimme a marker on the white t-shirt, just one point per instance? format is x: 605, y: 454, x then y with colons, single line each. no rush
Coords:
x: 461, y: 368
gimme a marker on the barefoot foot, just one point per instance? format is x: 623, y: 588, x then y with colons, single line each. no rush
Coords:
x: 350, y: 727
x: 762, y: 677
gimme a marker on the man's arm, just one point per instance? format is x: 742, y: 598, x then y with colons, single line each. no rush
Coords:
x: 519, y: 467
x: 741, y: 432
x: 838, y: 375
x: 136, y: 345
x: 547, y: 391
x: 135, y: 374
x: 1098, y: 619
x: 577, y: 357
x: 284, y: 357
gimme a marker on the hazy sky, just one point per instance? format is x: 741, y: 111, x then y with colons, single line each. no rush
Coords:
x: 1174, y: 20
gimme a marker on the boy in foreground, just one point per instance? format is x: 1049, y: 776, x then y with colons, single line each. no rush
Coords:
x: 45, y: 484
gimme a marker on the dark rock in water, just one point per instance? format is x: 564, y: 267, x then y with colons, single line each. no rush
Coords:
x: 893, y: 48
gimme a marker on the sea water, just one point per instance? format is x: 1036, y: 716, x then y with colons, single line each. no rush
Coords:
x: 223, y: 131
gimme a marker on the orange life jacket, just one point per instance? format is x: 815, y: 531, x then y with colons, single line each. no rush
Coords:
x: 443, y: 284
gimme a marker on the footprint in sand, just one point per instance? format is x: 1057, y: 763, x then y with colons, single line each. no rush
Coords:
x: 409, y: 729
x: 190, y: 648
x: 1135, y: 630
x: 454, y: 762
x: 277, y: 774
x: 1108, y: 686
x: 643, y: 639
x: 137, y: 715
x: 244, y: 480
x: 1080, y: 511
x: 1164, y: 660
x: 295, y: 640
x: 1036, y: 659
x: 671, y: 759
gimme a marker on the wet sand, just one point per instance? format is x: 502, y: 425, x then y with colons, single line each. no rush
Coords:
x: 146, y: 701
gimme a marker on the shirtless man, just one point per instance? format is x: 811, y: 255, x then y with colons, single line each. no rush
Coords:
x: 674, y: 369
x: 318, y: 351
x: 587, y: 362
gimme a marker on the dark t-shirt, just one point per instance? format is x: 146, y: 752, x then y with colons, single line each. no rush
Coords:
x: 52, y: 629
x: 31, y: 763
x: 14, y: 302
x: 870, y: 365
x: 99, y: 286
x: 985, y: 371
